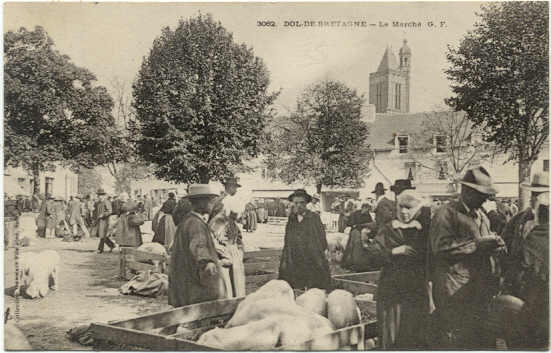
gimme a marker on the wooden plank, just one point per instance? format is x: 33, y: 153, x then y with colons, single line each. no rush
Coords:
x: 355, y: 287
x: 137, y: 338
x: 138, y: 266
x: 139, y: 255
x: 180, y: 315
x: 368, y: 277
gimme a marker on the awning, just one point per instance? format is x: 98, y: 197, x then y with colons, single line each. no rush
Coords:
x: 272, y: 194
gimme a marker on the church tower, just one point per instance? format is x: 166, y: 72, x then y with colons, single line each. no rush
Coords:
x: 389, y: 86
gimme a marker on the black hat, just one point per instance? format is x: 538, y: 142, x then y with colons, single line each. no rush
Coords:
x: 401, y: 185
x: 101, y: 192
x: 379, y: 188
x: 232, y: 181
x: 300, y: 192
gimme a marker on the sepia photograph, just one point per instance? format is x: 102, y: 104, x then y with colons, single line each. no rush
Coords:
x: 276, y: 176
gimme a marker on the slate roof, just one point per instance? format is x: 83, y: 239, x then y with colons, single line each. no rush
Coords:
x: 382, y: 130
x: 388, y: 62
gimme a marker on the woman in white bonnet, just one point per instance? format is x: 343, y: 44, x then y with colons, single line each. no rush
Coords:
x: 402, y: 295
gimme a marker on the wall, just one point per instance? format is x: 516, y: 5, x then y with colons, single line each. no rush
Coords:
x: 18, y: 181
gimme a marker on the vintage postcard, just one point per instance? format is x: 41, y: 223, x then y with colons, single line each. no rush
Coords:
x: 315, y: 176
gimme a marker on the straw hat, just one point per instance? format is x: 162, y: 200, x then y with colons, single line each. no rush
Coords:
x: 540, y: 183
x: 200, y: 190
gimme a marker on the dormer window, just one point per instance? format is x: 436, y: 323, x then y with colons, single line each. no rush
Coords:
x: 403, y: 143
x: 440, y: 143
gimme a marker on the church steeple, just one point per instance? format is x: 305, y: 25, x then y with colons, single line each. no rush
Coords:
x: 389, y: 85
x: 388, y: 62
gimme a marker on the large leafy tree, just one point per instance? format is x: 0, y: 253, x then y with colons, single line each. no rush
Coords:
x: 323, y: 142
x: 201, y: 101
x: 500, y: 78
x: 52, y: 111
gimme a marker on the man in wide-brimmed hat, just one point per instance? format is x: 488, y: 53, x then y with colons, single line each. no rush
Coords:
x: 517, y: 229
x: 195, y: 269
x: 532, y: 323
x: 385, y: 209
x: 401, y: 185
x: 463, y: 266
x: 75, y: 217
x: 314, y: 205
x: 303, y: 259
x: 103, y: 211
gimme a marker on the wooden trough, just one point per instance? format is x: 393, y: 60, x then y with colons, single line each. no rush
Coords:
x: 178, y: 329
x: 160, y: 331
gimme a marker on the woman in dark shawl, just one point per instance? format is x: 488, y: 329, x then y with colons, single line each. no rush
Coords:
x: 402, y: 293
x: 165, y: 229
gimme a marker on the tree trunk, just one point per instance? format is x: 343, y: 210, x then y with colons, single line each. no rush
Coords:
x: 318, y: 188
x: 524, y: 172
x: 36, y: 181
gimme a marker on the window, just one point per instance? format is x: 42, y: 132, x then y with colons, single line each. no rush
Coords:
x: 440, y: 143
x: 49, y: 185
x: 443, y: 169
x: 397, y: 95
x: 546, y: 165
x: 379, y: 89
x: 403, y: 142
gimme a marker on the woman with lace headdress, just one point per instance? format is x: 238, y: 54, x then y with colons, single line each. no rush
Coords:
x: 402, y: 294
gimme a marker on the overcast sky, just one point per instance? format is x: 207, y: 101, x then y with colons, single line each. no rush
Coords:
x: 110, y: 39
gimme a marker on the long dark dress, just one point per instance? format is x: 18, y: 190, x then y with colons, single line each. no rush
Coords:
x: 303, y: 262
x: 402, y: 295
x: 532, y: 324
x: 193, y: 249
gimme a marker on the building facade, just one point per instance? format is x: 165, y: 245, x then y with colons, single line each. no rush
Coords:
x: 60, y: 183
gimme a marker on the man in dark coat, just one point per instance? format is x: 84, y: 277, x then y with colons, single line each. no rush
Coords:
x: 532, y: 324
x: 384, y: 208
x: 464, y: 266
x: 194, y: 274
x: 102, y: 212
x: 303, y: 260
x: 148, y: 207
x: 517, y: 229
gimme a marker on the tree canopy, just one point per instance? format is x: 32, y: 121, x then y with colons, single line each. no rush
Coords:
x: 201, y: 101
x: 53, y: 112
x: 323, y: 142
x: 500, y: 78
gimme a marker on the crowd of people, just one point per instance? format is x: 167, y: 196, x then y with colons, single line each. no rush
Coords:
x: 450, y: 271
x: 453, y: 276
x: 115, y: 220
